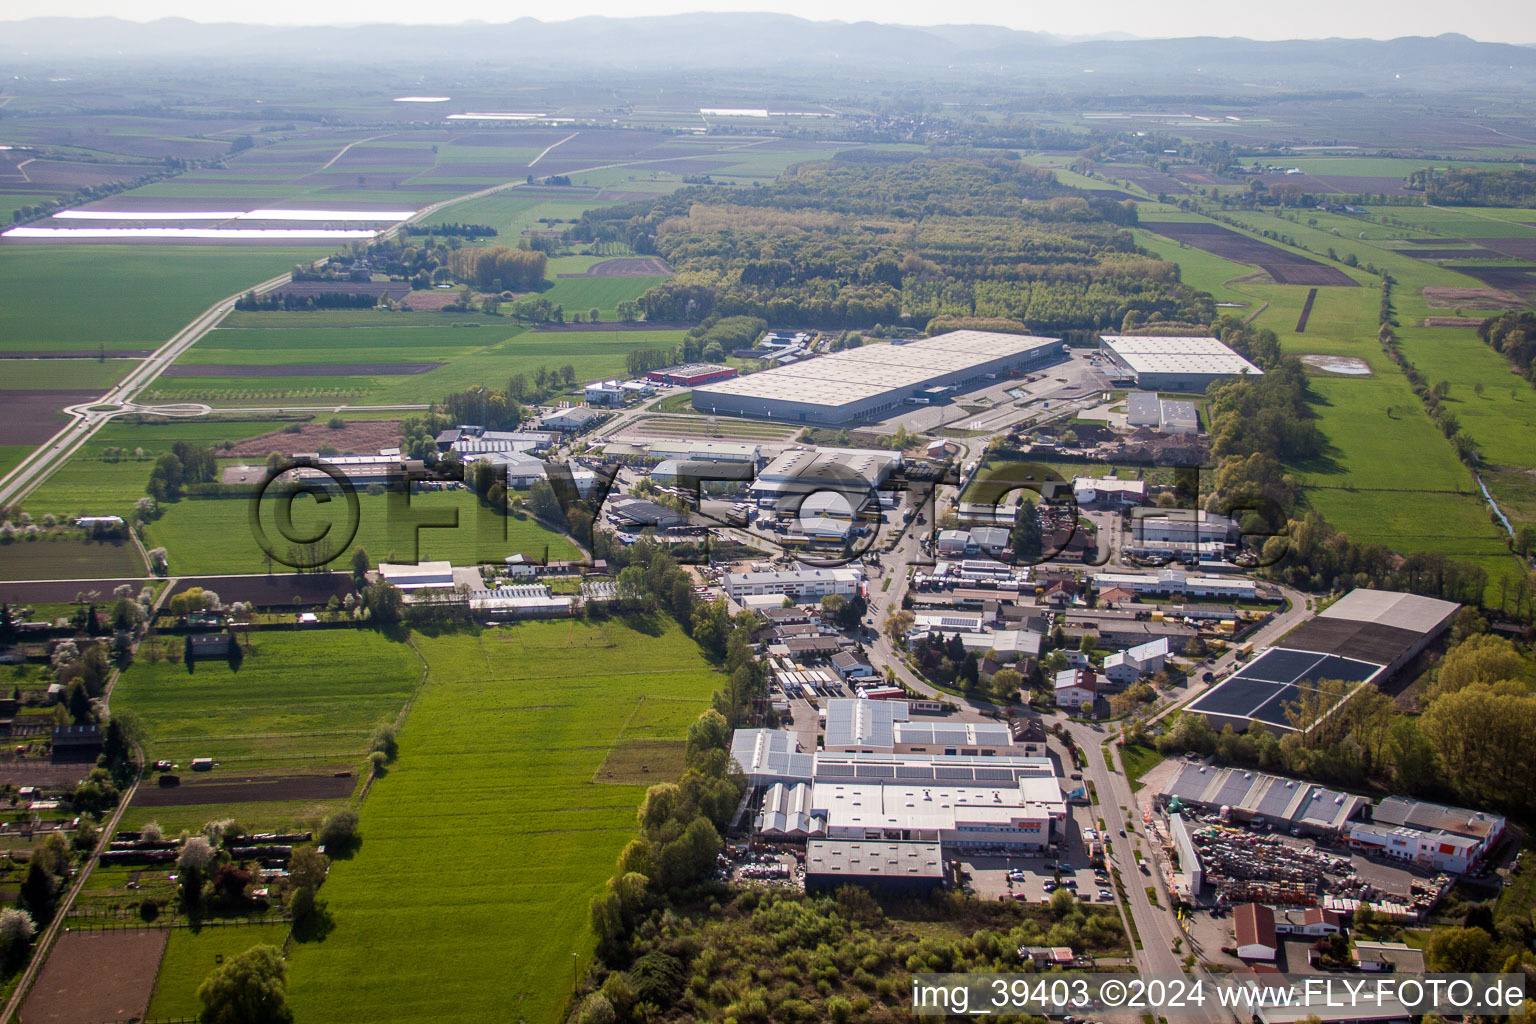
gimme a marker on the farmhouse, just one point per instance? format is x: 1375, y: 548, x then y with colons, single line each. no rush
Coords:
x: 1173, y: 364
x: 875, y: 380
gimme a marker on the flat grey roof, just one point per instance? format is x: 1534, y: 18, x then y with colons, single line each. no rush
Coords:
x: 871, y: 370
x: 1405, y: 611
x: 1177, y: 355
x: 856, y: 858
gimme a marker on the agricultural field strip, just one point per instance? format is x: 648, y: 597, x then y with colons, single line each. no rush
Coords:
x: 19, y: 481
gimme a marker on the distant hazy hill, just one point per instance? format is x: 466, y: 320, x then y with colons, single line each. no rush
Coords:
x: 767, y: 41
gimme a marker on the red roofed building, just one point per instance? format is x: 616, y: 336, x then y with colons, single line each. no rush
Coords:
x: 1254, y: 926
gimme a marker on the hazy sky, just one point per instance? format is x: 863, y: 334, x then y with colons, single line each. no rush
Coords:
x: 1494, y: 20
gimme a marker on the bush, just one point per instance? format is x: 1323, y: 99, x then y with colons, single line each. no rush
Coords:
x: 339, y: 831
x: 384, y: 742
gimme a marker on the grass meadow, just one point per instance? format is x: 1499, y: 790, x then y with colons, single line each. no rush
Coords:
x: 79, y: 297
x: 300, y: 702
x: 190, y: 956
x: 213, y: 535
x: 1362, y: 484
x: 489, y: 835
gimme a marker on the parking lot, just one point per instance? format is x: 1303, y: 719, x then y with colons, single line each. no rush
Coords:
x: 1032, y: 877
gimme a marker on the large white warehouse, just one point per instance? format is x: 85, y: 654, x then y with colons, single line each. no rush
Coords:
x: 1174, y: 364
x: 874, y: 380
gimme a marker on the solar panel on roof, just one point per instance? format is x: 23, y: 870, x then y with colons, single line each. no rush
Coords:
x: 1236, y: 695
x: 914, y: 771
x: 1279, y: 665
x: 946, y: 772
x: 874, y: 771
x: 1336, y: 667
x: 835, y: 771
x: 995, y: 775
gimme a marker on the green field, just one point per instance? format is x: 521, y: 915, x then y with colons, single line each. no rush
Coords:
x: 190, y: 956
x: 282, y: 339
x: 489, y: 836
x: 62, y: 558
x: 89, y: 484
x: 1362, y: 484
x: 80, y: 297
x: 479, y: 351
x: 63, y: 374
x: 300, y: 702
x: 581, y: 294
x: 212, y: 536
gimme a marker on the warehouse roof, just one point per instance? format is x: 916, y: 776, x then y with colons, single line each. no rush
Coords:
x: 871, y: 370
x: 1177, y: 355
x: 770, y: 752
x: 863, y: 723
x: 1405, y: 611
x: 1269, y: 796
x: 1427, y: 817
x: 861, y: 859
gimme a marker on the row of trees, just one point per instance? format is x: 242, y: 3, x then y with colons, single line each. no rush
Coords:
x: 1468, y: 186
x: 184, y: 464
x: 497, y: 268
x: 291, y: 301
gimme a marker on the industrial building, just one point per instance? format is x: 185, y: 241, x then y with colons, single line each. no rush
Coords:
x: 883, y: 726
x: 958, y: 800
x: 1433, y: 836
x: 796, y: 583
x: 1180, y: 531
x: 571, y: 420
x: 705, y: 451
x: 1173, y: 364
x: 1171, y: 416
x: 1247, y: 795
x: 1093, y: 490
x: 1380, y: 626
x: 852, y: 474
x: 692, y: 375
x: 422, y: 576
x: 874, y: 381
x: 1365, y: 636
x: 909, y: 869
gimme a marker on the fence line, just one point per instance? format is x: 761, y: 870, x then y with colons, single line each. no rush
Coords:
x: 80, y: 922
